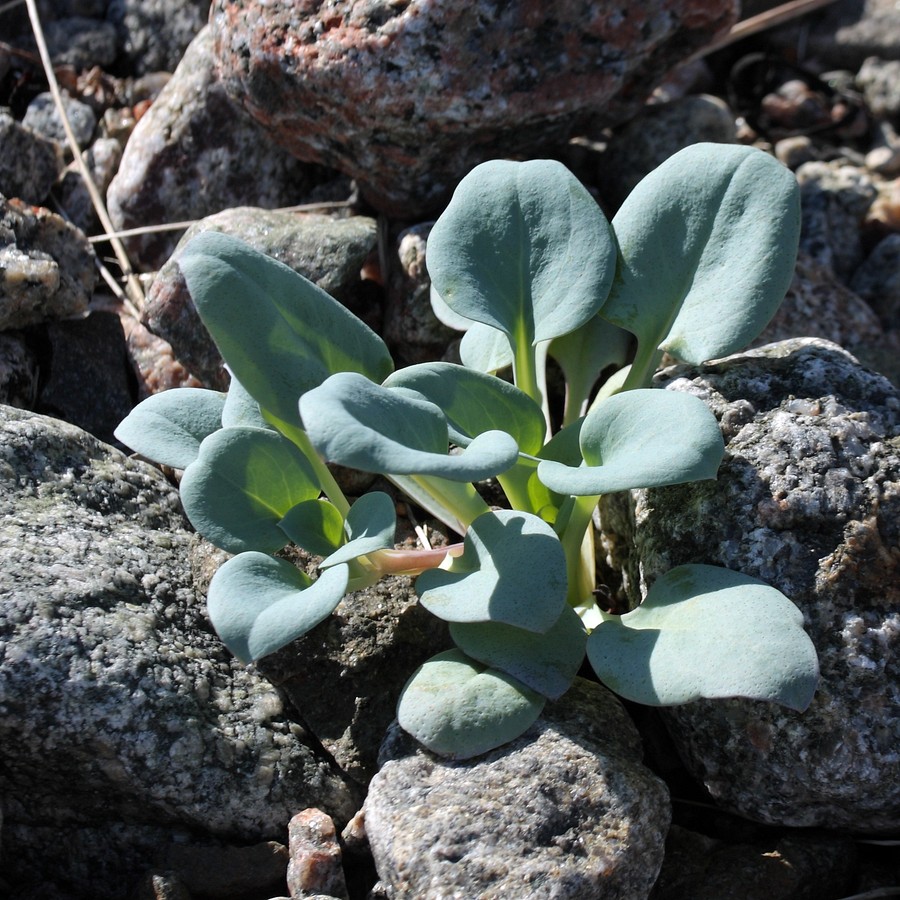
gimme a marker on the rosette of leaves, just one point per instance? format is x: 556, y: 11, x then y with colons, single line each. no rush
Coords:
x: 523, y: 261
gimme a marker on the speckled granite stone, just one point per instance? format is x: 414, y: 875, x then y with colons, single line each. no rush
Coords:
x: 121, y: 713
x: 406, y: 96
x: 807, y: 499
x: 565, y: 811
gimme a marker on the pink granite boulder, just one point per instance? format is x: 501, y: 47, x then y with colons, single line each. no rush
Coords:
x: 407, y: 95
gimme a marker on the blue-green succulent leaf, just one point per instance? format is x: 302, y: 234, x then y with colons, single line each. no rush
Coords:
x: 259, y: 604
x: 707, y: 249
x: 524, y: 248
x: 241, y: 409
x: 365, y: 426
x: 704, y: 631
x: 638, y: 439
x: 512, y: 570
x: 279, y: 333
x: 371, y: 525
x: 546, y: 663
x: 168, y: 427
x: 242, y: 484
x: 315, y: 525
x: 474, y: 403
x: 459, y: 708
x: 485, y: 349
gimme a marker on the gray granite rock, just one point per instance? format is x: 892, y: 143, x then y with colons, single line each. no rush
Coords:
x: 329, y: 251
x: 46, y: 266
x: 408, y: 97
x: 834, y: 201
x: 125, y: 727
x: 565, y: 811
x: 81, y: 41
x: 879, y: 81
x: 877, y: 280
x: 154, y: 34
x: 102, y: 159
x: 43, y: 118
x: 657, y: 132
x: 18, y: 371
x: 808, y: 500
x: 195, y: 153
x: 29, y: 164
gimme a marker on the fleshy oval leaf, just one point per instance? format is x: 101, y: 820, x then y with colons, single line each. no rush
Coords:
x: 279, y: 333
x: 242, y: 484
x: 546, y: 663
x: 315, y: 525
x: 485, y: 349
x: 365, y: 426
x: 371, y: 525
x: 512, y: 570
x: 705, y: 631
x: 241, y: 409
x: 459, y: 708
x: 474, y: 403
x: 259, y: 603
x: 707, y: 248
x: 502, y: 251
x: 169, y: 427
x: 638, y: 439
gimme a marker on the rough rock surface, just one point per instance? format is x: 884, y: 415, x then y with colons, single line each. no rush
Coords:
x: 29, y: 163
x: 408, y: 96
x: 46, y: 266
x: 565, y: 811
x: 329, y: 251
x: 125, y: 726
x: 807, y: 499
x: 195, y: 153
x: 315, y: 866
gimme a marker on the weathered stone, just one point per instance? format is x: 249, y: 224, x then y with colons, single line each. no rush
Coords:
x: 656, y: 133
x: 102, y: 159
x: 29, y: 164
x: 154, y: 34
x: 315, y: 865
x: 81, y: 42
x: 329, y: 251
x: 125, y: 726
x: 877, y: 280
x: 43, y: 118
x: 834, y: 201
x: 408, y: 97
x: 808, y: 500
x: 878, y: 80
x: 566, y: 811
x: 800, y: 866
x: 818, y: 305
x: 46, y: 266
x: 230, y: 871
x: 86, y: 374
x: 18, y: 371
x: 195, y: 153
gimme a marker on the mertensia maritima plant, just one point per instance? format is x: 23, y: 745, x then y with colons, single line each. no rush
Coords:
x: 522, y: 261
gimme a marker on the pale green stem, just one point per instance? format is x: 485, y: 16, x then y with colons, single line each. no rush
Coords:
x: 572, y: 525
x: 329, y: 486
x: 643, y: 368
x: 456, y: 504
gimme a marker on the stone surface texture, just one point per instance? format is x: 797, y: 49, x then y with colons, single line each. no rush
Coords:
x: 315, y: 866
x: 195, y: 153
x: 125, y: 727
x: 46, y: 266
x: 565, y: 811
x: 808, y: 500
x: 406, y: 97
x: 29, y: 163
x: 327, y: 250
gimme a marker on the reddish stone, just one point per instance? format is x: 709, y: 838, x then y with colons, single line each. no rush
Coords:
x: 407, y: 95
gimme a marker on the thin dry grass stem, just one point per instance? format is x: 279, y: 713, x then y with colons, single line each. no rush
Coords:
x: 133, y: 285
x: 12, y: 4
x: 755, y: 24
x: 178, y: 226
